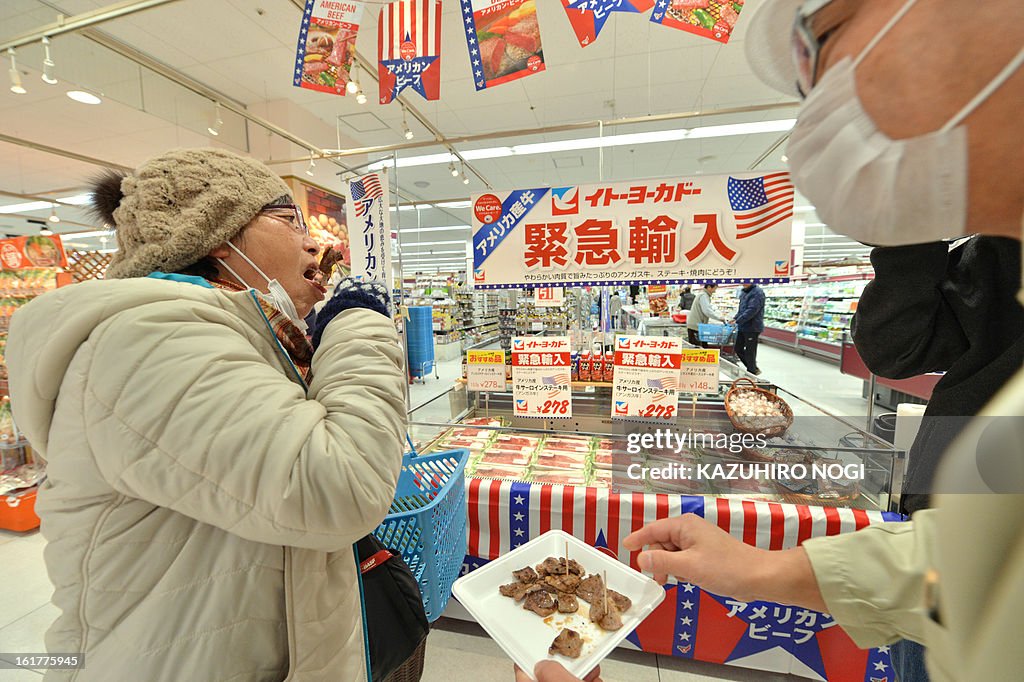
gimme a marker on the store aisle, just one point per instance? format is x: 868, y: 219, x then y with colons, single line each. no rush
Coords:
x: 819, y: 383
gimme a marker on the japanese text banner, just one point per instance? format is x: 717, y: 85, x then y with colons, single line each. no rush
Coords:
x: 409, y: 49
x: 720, y: 228
x: 370, y: 228
x: 327, y: 45
x: 503, y: 37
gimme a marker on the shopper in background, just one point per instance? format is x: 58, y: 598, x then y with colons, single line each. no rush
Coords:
x: 686, y: 298
x: 894, y: 152
x: 749, y: 325
x: 703, y: 312
x: 208, y: 473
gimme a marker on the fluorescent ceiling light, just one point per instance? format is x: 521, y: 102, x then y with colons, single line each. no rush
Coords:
x: 84, y: 97
x: 625, y: 139
x: 88, y: 235
x: 441, y: 253
x: 76, y: 199
x: 443, y: 228
x: 26, y: 207
x: 413, y: 243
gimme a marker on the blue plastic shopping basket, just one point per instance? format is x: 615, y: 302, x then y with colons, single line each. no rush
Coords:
x: 427, y: 523
x: 716, y: 334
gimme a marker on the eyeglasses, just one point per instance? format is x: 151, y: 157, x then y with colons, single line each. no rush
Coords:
x: 289, y: 213
x: 815, y: 21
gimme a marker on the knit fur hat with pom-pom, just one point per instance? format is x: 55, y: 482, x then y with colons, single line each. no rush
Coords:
x: 176, y: 208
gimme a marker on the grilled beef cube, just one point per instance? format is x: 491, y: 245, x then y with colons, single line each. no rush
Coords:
x: 568, y: 643
x: 606, y: 619
x: 589, y: 587
x: 525, y: 575
x: 567, y: 603
x: 540, y: 602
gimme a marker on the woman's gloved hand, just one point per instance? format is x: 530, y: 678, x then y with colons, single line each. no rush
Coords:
x: 347, y: 295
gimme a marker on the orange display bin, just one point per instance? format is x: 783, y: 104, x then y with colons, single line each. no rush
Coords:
x: 18, y: 511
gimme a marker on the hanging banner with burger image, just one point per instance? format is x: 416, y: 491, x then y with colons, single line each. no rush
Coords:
x: 503, y: 37
x: 409, y: 49
x: 327, y: 45
x: 588, y: 17
x: 713, y: 19
x: 23, y: 253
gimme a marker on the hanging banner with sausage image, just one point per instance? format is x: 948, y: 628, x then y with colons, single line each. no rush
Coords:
x: 503, y: 37
x: 588, y: 17
x: 409, y: 49
x: 327, y: 45
x: 713, y: 19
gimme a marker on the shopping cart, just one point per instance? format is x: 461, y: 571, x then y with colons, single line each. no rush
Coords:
x: 721, y: 336
x: 427, y: 523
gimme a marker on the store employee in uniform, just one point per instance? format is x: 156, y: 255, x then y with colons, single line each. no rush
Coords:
x: 892, y: 150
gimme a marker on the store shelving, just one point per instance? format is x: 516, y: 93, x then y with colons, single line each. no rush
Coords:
x: 812, y: 316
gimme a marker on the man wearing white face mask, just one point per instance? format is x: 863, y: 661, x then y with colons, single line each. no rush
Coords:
x: 910, y: 133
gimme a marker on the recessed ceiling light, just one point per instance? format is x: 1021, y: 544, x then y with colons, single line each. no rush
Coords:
x: 84, y: 97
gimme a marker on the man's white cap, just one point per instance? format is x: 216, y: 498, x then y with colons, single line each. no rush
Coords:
x: 769, y: 46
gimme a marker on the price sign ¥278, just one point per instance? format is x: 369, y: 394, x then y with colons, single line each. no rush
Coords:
x: 541, y: 377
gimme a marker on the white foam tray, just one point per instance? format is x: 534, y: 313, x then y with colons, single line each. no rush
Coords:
x: 524, y: 635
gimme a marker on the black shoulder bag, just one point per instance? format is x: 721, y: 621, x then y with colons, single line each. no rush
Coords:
x: 396, y: 623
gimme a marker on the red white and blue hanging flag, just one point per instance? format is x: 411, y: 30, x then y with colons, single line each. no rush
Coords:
x: 409, y: 49
x: 589, y: 16
x: 713, y: 19
x: 504, y: 40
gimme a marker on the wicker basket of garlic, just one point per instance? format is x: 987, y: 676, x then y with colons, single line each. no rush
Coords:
x: 755, y: 410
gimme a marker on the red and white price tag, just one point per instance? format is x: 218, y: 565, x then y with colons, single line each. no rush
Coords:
x: 541, y: 377
x: 646, y: 378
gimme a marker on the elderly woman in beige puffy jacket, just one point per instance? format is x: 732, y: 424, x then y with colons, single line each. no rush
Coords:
x: 208, y: 472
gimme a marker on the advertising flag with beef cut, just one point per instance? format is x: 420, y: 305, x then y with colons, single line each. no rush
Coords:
x: 714, y: 19
x: 327, y: 45
x: 721, y: 228
x: 409, y: 49
x: 503, y: 37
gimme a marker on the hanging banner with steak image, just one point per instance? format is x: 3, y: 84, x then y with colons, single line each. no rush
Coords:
x: 588, y: 17
x: 327, y: 45
x: 713, y: 19
x: 503, y: 37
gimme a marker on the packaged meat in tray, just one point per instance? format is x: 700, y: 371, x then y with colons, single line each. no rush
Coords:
x: 470, y: 433
x: 561, y: 460
x: 517, y: 441
x: 508, y: 472
x: 505, y: 457
x: 558, y: 477
x: 568, y: 444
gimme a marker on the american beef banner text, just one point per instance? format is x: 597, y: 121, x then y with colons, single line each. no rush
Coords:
x: 690, y: 622
x: 409, y: 49
x: 327, y: 45
x: 713, y: 19
x: 503, y: 37
x: 721, y: 228
x: 370, y: 228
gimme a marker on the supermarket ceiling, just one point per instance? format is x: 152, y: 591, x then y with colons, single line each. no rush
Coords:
x: 159, y: 72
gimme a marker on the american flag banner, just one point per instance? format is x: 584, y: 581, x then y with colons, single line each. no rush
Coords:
x: 370, y: 228
x: 588, y: 17
x: 409, y: 49
x: 760, y: 203
x: 690, y: 622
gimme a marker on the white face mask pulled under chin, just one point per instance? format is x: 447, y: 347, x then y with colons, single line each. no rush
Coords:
x: 276, y: 295
x: 870, y: 187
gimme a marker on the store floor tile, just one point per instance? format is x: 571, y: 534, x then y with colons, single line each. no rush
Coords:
x: 25, y: 586
x: 20, y: 675
x: 685, y: 670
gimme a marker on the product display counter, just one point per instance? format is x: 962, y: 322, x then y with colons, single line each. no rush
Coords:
x: 528, y: 476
